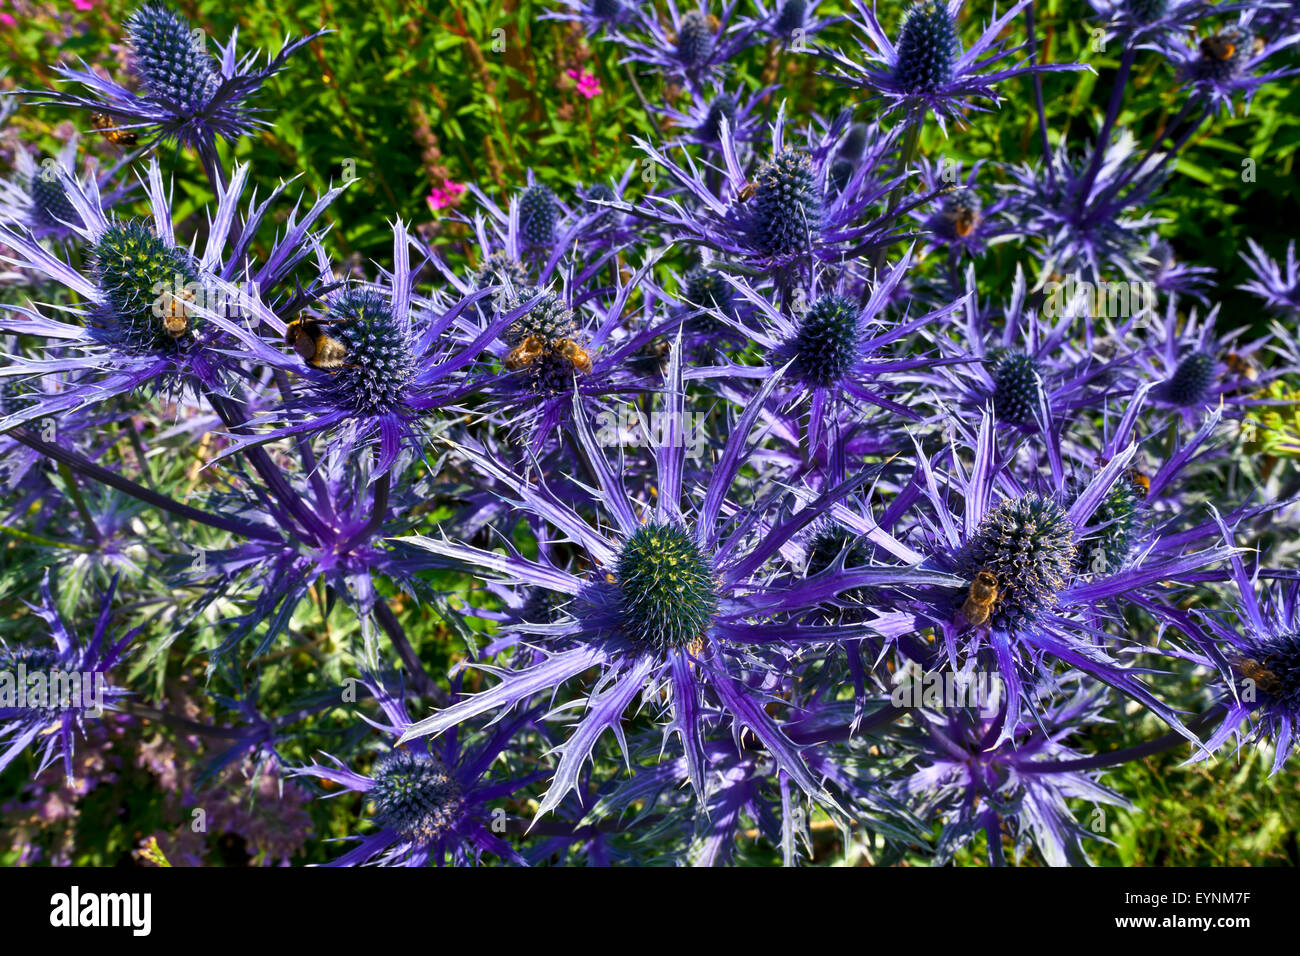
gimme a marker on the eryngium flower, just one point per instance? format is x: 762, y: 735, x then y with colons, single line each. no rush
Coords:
x: 670, y: 592
x: 51, y: 722
x: 787, y: 203
x: 186, y: 94
x: 431, y: 805
x: 928, y: 69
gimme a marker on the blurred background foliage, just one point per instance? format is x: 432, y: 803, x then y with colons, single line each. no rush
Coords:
x: 414, y: 96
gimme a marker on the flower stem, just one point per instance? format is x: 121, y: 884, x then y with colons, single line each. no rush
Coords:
x: 424, y: 684
x: 1124, y: 755
x: 96, y: 473
x: 1108, y: 124
x: 907, y: 153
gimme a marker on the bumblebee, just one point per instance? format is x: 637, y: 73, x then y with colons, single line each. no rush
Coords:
x: 176, y: 314
x: 1217, y: 47
x: 525, y: 353
x: 981, y: 598
x: 964, y: 221
x: 1240, y: 365
x: 579, y: 357
x: 1140, y: 481
x: 316, y: 347
x: 103, y: 123
x: 747, y: 192
x: 1253, y: 670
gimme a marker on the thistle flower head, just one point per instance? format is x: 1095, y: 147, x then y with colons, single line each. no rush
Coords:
x: 1274, y: 666
x: 185, y: 93
x: 134, y: 268
x: 537, y: 215
x: 415, y: 795
x: 171, y: 58
x: 378, y: 362
x: 787, y: 203
x: 723, y: 106
x: 927, y: 47
x: 1028, y: 544
x: 706, y: 288
x: 792, y: 16
x: 1118, y: 521
x: 1016, y: 388
x: 1191, y: 381
x: 1146, y: 11
x: 825, y: 347
x: 666, y: 592
x: 49, y: 203
x: 695, y: 38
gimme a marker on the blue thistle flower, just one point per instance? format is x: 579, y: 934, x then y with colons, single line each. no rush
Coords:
x: 51, y: 722
x: 186, y: 93
x: 1017, y: 386
x: 787, y: 203
x: 792, y: 16
x: 826, y: 347
x: 927, y: 47
x: 431, y: 806
x: 380, y: 362
x: 172, y: 64
x: 1028, y: 544
x: 537, y: 215
x: 130, y: 265
x: 695, y: 37
x: 721, y: 107
x: 666, y: 592
x: 1192, y: 379
x: 928, y: 69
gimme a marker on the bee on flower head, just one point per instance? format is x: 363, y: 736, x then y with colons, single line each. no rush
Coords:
x: 980, y: 599
x: 577, y: 356
x: 175, y: 313
x: 103, y: 123
x: 1139, y: 481
x: 1221, y: 46
x: 525, y: 353
x: 746, y: 192
x: 1241, y: 365
x: 1259, y: 673
x: 314, y: 345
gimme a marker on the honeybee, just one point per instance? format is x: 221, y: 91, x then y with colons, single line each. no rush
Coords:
x: 1241, y: 365
x: 1218, y: 47
x: 575, y: 353
x: 1253, y: 670
x: 525, y: 353
x: 112, y: 132
x: 747, y: 192
x: 316, y: 347
x: 1140, y: 481
x: 981, y: 598
x: 176, y: 314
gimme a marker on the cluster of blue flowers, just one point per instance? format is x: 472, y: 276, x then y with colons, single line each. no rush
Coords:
x: 749, y: 506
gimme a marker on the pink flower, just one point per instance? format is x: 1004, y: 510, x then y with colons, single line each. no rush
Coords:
x: 84, y: 4
x: 7, y: 19
x: 588, y: 83
x: 443, y: 196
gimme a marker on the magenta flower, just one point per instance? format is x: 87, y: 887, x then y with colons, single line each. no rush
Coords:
x: 588, y: 83
x: 440, y: 197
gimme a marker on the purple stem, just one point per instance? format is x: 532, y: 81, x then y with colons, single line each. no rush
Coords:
x: 1112, y: 113
x: 125, y: 485
x: 424, y: 684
